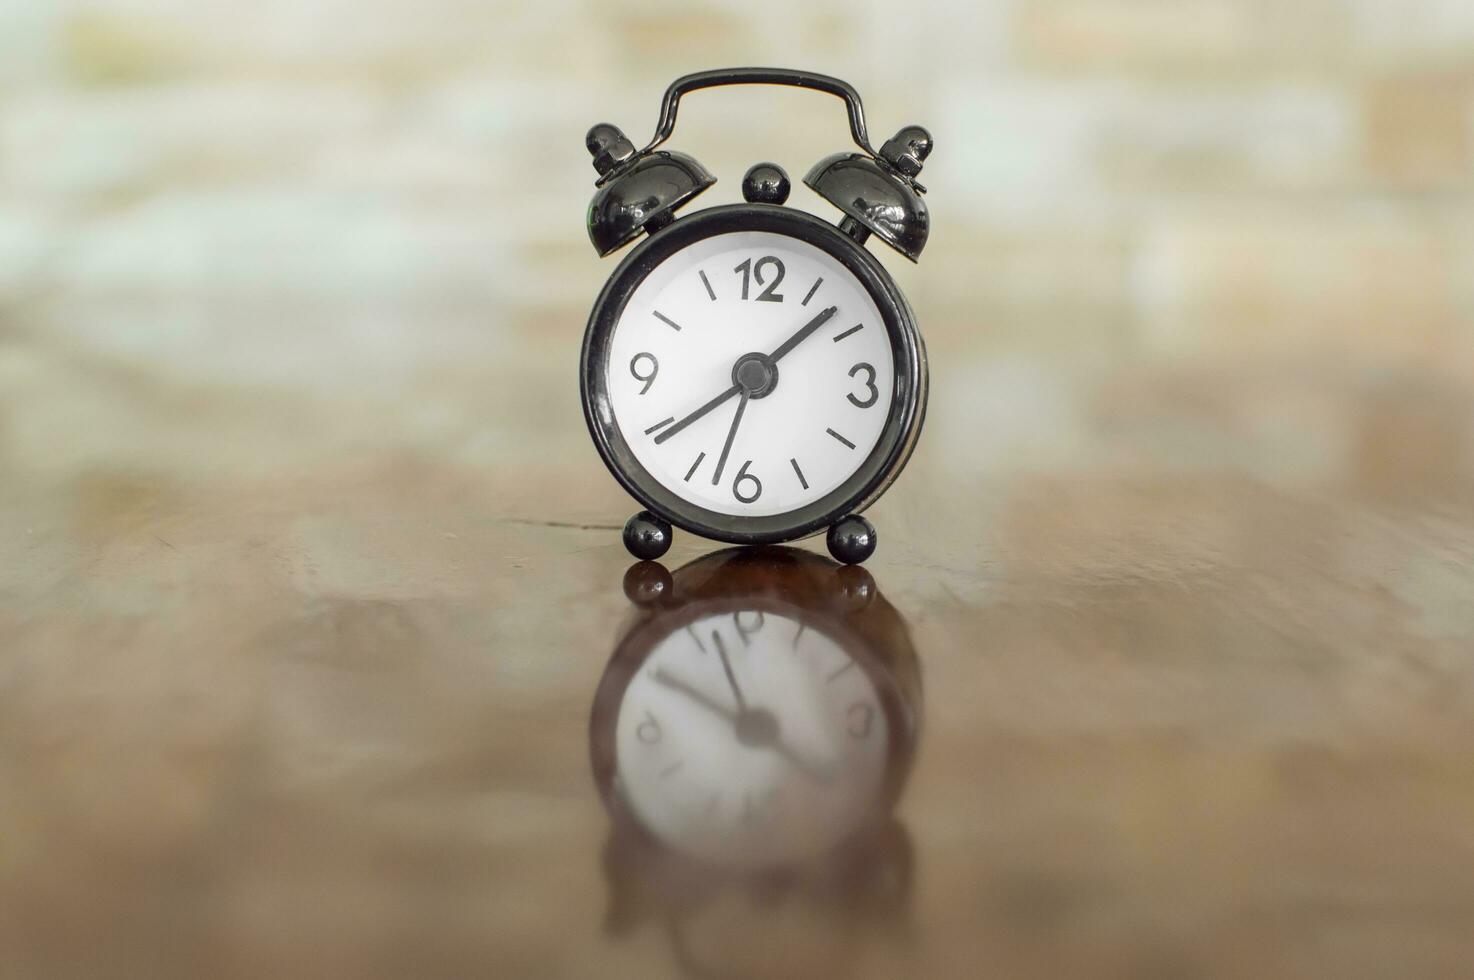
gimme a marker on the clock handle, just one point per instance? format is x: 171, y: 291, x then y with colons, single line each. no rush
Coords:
x: 760, y: 76
x: 877, y: 190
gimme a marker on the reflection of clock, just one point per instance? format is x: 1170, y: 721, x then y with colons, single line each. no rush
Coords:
x: 752, y: 373
x: 750, y: 736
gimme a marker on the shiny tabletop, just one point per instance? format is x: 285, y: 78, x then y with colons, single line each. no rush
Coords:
x: 365, y: 720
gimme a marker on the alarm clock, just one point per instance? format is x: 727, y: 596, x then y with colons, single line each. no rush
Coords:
x: 750, y: 372
x: 750, y: 737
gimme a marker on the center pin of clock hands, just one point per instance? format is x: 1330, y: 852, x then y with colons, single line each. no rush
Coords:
x: 754, y: 727
x: 753, y: 375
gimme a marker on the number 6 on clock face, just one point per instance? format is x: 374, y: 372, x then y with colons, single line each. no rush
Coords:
x: 751, y: 372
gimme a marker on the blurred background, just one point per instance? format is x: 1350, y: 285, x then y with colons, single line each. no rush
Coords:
x: 291, y: 296
x: 334, y: 218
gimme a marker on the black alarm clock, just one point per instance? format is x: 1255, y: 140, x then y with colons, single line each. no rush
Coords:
x: 750, y: 738
x: 750, y: 372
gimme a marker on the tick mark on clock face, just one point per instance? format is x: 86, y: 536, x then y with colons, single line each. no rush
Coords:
x: 838, y: 337
x: 660, y: 425
x: 800, y: 474
x: 707, y: 283
x: 692, y: 471
x: 812, y: 290
x: 840, y: 438
x: 672, y: 769
x: 666, y: 320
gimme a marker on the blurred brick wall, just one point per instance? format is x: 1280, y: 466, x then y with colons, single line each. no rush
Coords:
x: 285, y: 215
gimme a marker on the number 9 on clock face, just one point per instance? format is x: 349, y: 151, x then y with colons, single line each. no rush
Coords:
x: 754, y: 376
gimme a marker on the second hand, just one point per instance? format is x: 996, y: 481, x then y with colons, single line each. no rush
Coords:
x: 731, y: 435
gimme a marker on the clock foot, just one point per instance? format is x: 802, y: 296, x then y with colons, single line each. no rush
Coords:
x: 647, y: 583
x: 646, y: 536
x: 851, y: 540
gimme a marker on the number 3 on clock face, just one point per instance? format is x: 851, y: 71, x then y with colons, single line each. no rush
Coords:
x: 752, y: 378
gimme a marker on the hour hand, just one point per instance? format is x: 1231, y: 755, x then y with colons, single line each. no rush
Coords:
x: 671, y: 430
x: 818, y: 773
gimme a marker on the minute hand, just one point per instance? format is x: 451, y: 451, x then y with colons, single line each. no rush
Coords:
x: 821, y: 318
x: 803, y: 334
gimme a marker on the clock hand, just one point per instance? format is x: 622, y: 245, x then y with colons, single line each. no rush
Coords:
x: 821, y: 318
x: 716, y: 476
x: 822, y: 774
x: 727, y: 664
x: 671, y: 430
x: 676, y: 684
x: 819, y: 774
x: 770, y: 738
x: 803, y: 333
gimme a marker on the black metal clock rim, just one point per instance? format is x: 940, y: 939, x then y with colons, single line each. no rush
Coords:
x: 873, y: 476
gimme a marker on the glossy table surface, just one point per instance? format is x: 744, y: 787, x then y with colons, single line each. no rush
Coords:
x: 1124, y: 715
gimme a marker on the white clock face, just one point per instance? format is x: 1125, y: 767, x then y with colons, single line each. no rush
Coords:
x: 750, y: 739
x: 751, y: 373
